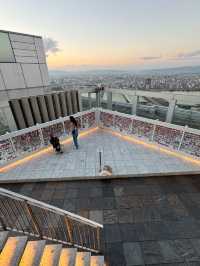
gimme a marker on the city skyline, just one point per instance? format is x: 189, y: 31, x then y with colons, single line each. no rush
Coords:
x: 110, y: 34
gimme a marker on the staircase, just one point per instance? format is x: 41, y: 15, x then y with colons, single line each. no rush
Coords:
x: 20, y: 251
x: 23, y: 219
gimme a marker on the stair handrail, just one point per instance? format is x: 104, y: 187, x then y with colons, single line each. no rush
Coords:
x: 47, y: 206
x: 70, y: 228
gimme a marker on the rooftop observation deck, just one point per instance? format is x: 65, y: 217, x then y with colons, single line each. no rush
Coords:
x: 149, y: 218
x: 131, y: 145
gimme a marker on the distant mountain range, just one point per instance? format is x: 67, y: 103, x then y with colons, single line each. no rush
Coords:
x: 173, y: 71
x: 62, y: 73
x: 186, y: 70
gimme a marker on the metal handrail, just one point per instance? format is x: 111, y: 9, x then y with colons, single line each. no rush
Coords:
x: 32, y: 217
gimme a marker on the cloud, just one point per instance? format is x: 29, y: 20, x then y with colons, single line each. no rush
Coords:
x: 51, y: 46
x: 188, y: 55
x: 150, y: 57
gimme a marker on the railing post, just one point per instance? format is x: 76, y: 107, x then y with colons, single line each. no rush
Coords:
x: 41, y: 134
x: 63, y: 123
x: 33, y: 219
x: 182, y: 137
x: 97, y: 117
x: 153, y: 133
x: 114, y: 117
x: 132, y: 125
x: 13, y: 146
x: 98, y: 238
x: 100, y: 158
x: 69, y: 229
x: 81, y: 117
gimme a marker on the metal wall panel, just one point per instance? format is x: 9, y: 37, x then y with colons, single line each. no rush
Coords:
x: 43, y: 108
x: 50, y: 107
x: 57, y: 105
x: 69, y: 102
x: 63, y: 104
x: 35, y: 109
x: 27, y: 112
x: 18, y: 114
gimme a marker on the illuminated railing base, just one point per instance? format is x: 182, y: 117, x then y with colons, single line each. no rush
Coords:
x: 31, y: 142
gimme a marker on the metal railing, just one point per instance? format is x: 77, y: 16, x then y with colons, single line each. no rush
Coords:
x: 35, y: 218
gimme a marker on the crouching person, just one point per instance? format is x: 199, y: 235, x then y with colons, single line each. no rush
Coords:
x: 55, y: 142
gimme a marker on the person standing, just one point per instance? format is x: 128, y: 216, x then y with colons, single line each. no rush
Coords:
x: 74, y: 131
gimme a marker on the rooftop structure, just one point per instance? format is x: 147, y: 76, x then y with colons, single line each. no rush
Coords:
x: 129, y: 144
x: 25, y: 95
x: 23, y: 71
x: 129, y: 193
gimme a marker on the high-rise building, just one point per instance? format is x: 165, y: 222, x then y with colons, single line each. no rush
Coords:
x: 23, y: 71
x: 25, y: 95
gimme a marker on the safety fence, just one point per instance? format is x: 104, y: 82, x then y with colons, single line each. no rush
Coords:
x: 175, y: 137
x: 19, y: 143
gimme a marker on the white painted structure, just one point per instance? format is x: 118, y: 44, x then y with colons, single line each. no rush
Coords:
x: 156, y: 147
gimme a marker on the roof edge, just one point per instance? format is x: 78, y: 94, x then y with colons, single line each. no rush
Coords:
x: 19, y: 33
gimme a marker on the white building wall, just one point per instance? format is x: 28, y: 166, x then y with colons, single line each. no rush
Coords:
x: 44, y: 74
x: 40, y: 50
x: 32, y: 75
x: 12, y: 76
x: 28, y: 75
x: 2, y: 86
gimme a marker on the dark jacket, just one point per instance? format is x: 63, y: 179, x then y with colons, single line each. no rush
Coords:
x: 55, y: 143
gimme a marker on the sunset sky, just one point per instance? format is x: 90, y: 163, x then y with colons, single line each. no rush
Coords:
x: 116, y: 34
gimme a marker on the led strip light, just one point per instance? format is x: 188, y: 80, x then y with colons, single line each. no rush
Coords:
x: 114, y: 133
x: 43, y: 151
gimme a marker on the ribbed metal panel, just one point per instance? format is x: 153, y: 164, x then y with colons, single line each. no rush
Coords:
x: 63, y: 103
x: 43, y: 108
x: 35, y: 109
x: 69, y: 102
x: 17, y: 113
x: 27, y: 112
x: 50, y: 107
x: 57, y: 105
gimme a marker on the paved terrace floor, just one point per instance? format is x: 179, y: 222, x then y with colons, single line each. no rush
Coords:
x: 147, y: 221
x: 125, y: 158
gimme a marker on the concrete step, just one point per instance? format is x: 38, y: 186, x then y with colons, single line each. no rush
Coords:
x: 18, y: 251
x: 67, y: 257
x: 97, y: 261
x: 83, y: 259
x: 51, y: 255
x: 12, y: 251
x: 3, y: 238
x: 33, y: 253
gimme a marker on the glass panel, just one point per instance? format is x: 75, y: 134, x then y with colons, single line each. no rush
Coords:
x: 6, y: 52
